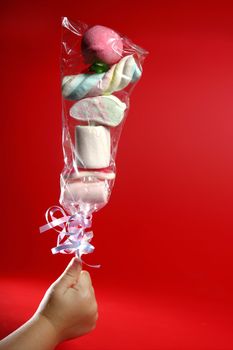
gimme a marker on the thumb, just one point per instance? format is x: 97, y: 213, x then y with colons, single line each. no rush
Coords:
x: 70, y: 276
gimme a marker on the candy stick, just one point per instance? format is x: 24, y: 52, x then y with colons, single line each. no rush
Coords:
x: 99, y: 69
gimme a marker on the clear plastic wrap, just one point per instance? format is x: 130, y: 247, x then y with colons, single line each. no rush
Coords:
x: 99, y: 69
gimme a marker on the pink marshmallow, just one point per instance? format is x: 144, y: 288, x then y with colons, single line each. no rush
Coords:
x: 102, y: 44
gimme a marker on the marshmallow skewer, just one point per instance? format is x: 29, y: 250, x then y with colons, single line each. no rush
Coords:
x: 97, y: 108
x: 89, y: 165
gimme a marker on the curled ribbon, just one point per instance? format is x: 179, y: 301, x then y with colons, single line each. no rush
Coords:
x: 72, y: 237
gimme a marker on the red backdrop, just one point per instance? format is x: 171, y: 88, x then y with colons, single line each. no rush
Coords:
x: 165, y: 239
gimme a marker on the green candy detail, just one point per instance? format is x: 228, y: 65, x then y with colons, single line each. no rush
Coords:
x: 99, y: 67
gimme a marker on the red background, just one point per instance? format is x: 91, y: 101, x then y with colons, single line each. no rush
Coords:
x: 165, y: 240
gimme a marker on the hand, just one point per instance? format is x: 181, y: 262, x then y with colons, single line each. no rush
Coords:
x: 69, y: 304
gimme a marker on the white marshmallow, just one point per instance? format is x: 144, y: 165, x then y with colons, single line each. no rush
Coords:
x: 93, y: 146
x: 85, y: 192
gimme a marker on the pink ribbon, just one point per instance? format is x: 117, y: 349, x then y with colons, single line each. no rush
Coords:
x: 72, y: 234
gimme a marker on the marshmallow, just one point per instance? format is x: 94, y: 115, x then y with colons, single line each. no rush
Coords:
x: 123, y: 74
x: 75, y: 87
x: 102, y: 44
x: 120, y: 75
x: 93, y: 146
x: 117, y: 77
x: 85, y: 192
x: 106, y: 110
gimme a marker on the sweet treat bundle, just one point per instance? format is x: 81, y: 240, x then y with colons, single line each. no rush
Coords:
x: 99, y: 69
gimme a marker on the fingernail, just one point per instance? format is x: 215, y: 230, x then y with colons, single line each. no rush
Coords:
x: 76, y: 261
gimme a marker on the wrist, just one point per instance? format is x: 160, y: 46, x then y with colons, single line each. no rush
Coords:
x: 47, y: 329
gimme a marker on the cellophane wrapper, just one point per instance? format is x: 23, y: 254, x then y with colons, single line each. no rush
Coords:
x: 87, y: 178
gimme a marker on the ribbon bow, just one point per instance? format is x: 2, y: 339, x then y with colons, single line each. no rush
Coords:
x: 72, y: 237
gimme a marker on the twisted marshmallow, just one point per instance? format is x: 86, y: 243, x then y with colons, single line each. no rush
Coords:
x: 120, y: 75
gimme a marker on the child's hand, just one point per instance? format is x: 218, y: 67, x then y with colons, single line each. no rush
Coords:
x: 69, y: 304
